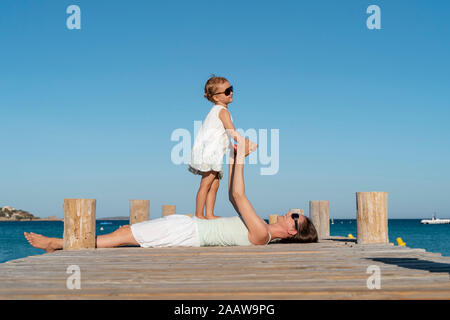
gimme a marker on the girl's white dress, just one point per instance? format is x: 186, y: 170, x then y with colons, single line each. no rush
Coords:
x: 210, y: 145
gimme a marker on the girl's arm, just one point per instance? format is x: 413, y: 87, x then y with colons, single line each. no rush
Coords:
x: 257, y: 227
x: 225, y: 117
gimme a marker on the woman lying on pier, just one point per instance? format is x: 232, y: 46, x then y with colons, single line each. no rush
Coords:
x: 180, y: 230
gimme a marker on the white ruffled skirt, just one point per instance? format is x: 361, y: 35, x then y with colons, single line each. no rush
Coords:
x: 207, y: 155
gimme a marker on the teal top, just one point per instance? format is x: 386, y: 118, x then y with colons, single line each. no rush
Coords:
x: 223, y: 232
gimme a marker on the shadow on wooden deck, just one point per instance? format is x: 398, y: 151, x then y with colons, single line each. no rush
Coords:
x: 415, y: 263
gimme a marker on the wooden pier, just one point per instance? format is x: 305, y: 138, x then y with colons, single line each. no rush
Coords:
x: 334, y: 268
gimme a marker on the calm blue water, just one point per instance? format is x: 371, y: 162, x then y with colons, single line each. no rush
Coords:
x: 433, y: 238
x: 13, y: 244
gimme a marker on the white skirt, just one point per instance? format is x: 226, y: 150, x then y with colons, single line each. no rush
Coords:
x: 170, y: 231
x: 209, y: 149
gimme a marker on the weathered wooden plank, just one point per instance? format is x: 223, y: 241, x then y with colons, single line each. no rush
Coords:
x: 327, y: 270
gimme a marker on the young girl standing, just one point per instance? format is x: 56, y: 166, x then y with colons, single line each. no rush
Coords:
x: 211, y: 144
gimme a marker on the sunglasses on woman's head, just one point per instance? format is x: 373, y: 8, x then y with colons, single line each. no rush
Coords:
x: 295, y: 217
x: 227, y: 91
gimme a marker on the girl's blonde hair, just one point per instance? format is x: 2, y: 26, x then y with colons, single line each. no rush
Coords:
x: 211, y: 86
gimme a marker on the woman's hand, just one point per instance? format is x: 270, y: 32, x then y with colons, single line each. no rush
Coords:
x: 249, y: 146
x: 253, y: 146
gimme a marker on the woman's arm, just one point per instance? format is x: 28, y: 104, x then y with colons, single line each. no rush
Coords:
x: 257, y: 227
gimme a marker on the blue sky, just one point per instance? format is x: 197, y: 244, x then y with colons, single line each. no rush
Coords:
x: 89, y: 113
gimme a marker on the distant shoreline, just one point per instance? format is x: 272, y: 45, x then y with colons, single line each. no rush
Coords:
x: 27, y: 220
x: 62, y: 220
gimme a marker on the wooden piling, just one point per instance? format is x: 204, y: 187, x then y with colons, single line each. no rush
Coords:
x: 273, y: 218
x: 79, y: 224
x: 314, y: 215
x: 324, y: 218
x: 319, y: 213
x: 139, y: 211
x: 168, y: 210
x: 371, y: 218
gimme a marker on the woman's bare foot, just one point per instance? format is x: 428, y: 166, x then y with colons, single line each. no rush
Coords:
x: 199, y: 217
x: 212, y: 217
x: 42, y: 242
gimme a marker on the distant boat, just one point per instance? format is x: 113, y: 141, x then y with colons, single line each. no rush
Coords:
x: 435, y: 220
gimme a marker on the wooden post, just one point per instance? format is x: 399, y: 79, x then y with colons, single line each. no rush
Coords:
x: 79, y: 224
x: 371, y: 217
x: 273, y: 218
x: 139, y: 211
x: 319, y: 213
x: 168, y: 210
x: 299, y: 211
x: 324, y: 212
x: 314, y: 215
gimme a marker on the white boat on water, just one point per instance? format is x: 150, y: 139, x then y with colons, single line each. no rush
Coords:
x: 435, y: 220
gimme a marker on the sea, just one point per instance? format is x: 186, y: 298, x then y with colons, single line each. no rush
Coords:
x: 433, y: 238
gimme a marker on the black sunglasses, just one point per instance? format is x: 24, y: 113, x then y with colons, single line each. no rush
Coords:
x: 227, y: 91
x: 295, y: 216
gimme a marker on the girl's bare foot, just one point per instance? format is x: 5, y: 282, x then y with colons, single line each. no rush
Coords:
x: 199, y: 217
x: 212, y: 217
x: 42, y: 242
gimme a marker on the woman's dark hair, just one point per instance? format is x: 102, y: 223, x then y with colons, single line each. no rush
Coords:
x: 306, y: 234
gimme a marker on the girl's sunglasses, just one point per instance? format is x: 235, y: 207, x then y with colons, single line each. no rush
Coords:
x: 227, y: 91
